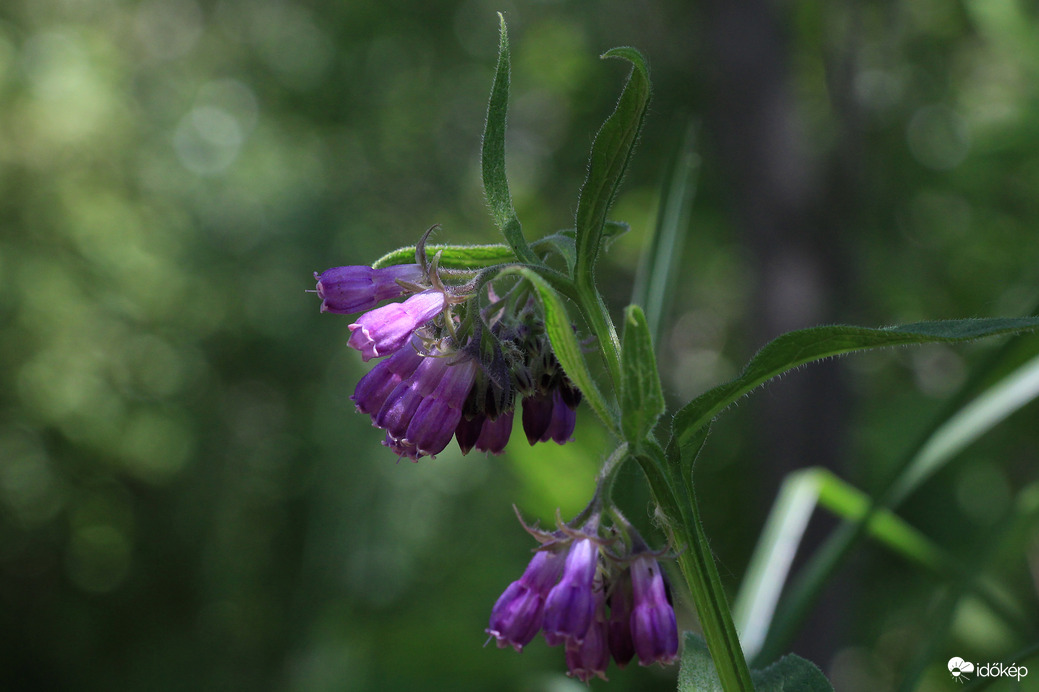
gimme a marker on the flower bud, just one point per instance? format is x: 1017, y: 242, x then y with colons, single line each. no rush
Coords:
x: 468, y: 432
x: 494, y: 434
x: 570, y: 605
x: 537, y: 416
x: 437, y: 417
x: 373, y: 389
x: 516, y: 616
x: 346, y: 290
x: 592, y: 656
x: 401, y: 404
x: 621, y: 645
x: 653, y: 627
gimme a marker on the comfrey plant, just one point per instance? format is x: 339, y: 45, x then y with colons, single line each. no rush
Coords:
x: 485, y: 330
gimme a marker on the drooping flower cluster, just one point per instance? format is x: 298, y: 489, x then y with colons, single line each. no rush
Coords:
x: 596, y: 603
x: 450, y: 368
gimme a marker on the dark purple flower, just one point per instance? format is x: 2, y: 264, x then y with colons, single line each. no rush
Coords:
x: 385, y: 330
x: 402, y: 448
x: 373, y: 389
x: 621, y: 645
x: 570, y: 605
x: 653, y: 627
x: 346, y: 290
x: 494, y: 434
x: 564, y: 419
x: 437, y: 417
x: 592, y: 656
x: 402, y: 403
x: 537, y: 415
x: 468, y: 432
x: 548, y: 416
x: 516, y: 617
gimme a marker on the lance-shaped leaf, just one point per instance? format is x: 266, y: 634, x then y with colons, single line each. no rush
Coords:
x: 796, y: 348
x: 492, y: 159
x: 611, y: 152
x: 452, y: 256
x: 642, y: 400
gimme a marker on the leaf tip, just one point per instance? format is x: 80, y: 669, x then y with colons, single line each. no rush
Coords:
x: 631, y: 54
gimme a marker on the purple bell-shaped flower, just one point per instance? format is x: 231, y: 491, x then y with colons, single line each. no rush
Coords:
x: 385, y: 330
x: 346, y: 290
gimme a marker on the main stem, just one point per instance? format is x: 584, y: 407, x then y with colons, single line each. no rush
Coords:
x: 598, y: 317
x: 698, y: 567
x: 673, y: 492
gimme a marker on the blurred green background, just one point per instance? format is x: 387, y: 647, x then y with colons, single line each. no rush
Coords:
x: 187, y: 498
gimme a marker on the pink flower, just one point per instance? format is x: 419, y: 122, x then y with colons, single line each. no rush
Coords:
x: 385, y: 330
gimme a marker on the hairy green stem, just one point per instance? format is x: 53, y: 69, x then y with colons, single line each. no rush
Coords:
x: 598, y: 317
x: 682, y: 522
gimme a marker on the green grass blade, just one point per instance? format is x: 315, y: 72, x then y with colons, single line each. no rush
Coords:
x: 657, y: 274
x: 799, y: 495
x: 967, y: 425
x: 770, y: 564
x: 804, y: 590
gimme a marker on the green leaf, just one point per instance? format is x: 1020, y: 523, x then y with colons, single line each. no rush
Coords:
x: 697, y: 672
x: 492, y: 159
x: 796, y: 348
x: 791, y: 674
x: 453, y: 256
x: 609, y: 158
x: 479, y: 256
x: 562, y: 244
x: 642, y: 400
x: 613, y: 230
x: 564, y: 341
